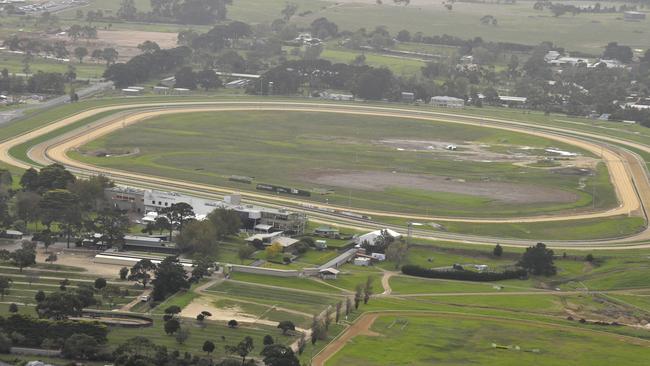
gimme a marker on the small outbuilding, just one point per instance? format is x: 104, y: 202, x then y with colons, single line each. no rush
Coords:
x: 329, y: 273
x: 326, y: 231
x: 320, y: 244
x: 362, y: 261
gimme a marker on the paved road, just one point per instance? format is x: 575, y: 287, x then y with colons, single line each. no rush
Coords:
x: 627, y: 170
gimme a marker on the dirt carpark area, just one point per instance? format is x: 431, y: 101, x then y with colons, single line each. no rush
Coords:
x: 500, y: 191
x: 125, y: 42
x: 82, y: 259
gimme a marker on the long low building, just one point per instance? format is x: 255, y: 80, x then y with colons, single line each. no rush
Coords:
x: 447, y: 102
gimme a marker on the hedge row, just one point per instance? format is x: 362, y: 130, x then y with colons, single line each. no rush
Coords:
x: 463, y: 275
x: 36, y: 330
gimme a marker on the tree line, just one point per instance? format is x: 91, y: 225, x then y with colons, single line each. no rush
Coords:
x: 536, y: 260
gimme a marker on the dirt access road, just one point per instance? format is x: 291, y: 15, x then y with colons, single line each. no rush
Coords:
x: 626, y: 170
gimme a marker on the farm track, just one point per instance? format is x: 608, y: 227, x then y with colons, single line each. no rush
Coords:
x: 627, y: 170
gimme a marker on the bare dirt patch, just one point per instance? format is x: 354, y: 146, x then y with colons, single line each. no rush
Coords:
x: 379, y: 181
x: 125, y: 42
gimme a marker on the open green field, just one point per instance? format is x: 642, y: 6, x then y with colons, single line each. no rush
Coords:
x: 350, y: 155
x: 584, y: 32
x: 447, y: 339
x: 622, y: 270
x: 14, y: 64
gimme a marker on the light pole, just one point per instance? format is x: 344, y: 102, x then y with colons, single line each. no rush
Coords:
x: 409, y: 231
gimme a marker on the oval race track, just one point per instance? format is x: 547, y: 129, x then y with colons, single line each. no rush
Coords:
x: 627, y: 170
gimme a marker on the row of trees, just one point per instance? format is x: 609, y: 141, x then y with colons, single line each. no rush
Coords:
x: 40, y: 83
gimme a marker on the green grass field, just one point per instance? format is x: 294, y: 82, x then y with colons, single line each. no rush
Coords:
x: 451, y: 340
x: 584, y: 32
x: 303, y: 150
x: 14, y: 64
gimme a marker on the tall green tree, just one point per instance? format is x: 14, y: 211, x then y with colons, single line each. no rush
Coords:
x: 198, y: 236
x: 242, y: 349
x: 141, y: 272
x: 112, y: 224
x: 80, y: 53
x: 62, y: 206
x: 5, y: 285
x: 538, y: 260
x: 226, y: 222
x: 279, y: 355
x: 25, y: 256
x: 178, y: 214
x: 170, y: 277
x: 54, y: 176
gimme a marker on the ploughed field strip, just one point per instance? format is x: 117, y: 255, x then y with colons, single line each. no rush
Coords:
x: 303, y: 301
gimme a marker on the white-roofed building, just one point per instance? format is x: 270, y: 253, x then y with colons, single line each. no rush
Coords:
x: 447, y: 102
x: 371, y: 237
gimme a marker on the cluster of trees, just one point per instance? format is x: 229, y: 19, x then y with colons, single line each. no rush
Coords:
x: 167, y: 277
x: 22, y: 257
x: 364, y: 81
x: 41, y: 83
x: 181, y: 11
x: 147, y: 65
x: 203, y: 236
x: 188, y: 78
x: 78, y: 206
x: 27, y: 331
x: 559, y: 9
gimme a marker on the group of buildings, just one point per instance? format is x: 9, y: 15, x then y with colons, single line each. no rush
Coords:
x: 557, y: 59
x: 252, y: 217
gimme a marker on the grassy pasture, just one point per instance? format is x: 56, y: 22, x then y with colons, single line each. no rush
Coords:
x: 450, y: 340
x: 584, y: 32
x: 14, y: 64
x: 218, y: 332
x: 293, y: 147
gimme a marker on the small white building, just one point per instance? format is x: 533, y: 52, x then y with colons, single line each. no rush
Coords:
x: 130, y: 91
x: 321, y: 244
x: 362, y: 261
x: 371, y: 237
x: 481, y: 267
x: 447, y: 102
x: 380, y: 257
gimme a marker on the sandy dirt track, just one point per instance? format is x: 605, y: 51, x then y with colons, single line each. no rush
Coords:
x: 625, y: 189
x: 626, y: 171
